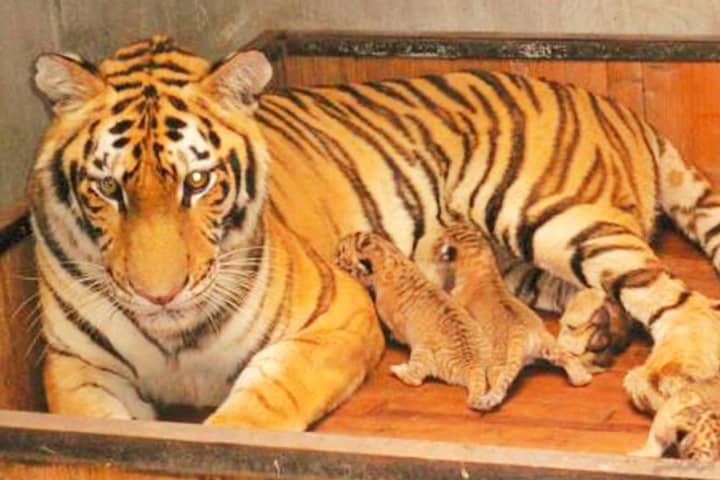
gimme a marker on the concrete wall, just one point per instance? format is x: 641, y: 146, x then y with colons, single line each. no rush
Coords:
x: 212, y: 27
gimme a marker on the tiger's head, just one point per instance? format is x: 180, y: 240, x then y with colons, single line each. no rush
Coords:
x: 152, y: 172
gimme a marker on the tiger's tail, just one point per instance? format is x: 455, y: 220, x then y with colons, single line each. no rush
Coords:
x: 689, y: 199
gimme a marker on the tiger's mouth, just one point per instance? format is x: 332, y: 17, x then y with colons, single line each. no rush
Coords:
x: 192, y: 301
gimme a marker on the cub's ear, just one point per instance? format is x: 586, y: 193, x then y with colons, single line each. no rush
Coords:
x: 67, y: 82
x: 236, y: 80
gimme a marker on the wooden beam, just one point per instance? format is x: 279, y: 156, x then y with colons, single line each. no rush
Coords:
x: 181, y: 449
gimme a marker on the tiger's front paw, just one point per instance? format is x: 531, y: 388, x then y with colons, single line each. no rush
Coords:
x: 594, y: 329
x: 686, y: 351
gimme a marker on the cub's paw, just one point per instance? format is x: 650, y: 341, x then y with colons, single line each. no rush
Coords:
x: 594, y: 329
x: 486, y: 402
x: 578, y: 375
x: 409, y: 374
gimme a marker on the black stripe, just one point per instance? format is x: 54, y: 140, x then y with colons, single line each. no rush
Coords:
x: 139, y: 52
x: 378, y: 108
x: 335, y: 152
x: 235, y: 167
x: 403, y: 187
x: 174, y: 82
x: 99, y: 338
x: 638, y: 278
x: 385, y: 89
x: 119, y: 87
x: 120, y: 106
x: 60, y: 181
x: 529, y: 89
x: 139, y: 67
x: 442, y: 160
x: 429, y: 104
x: 121, y: 127
x: 711, y: 233
x: 493, y: 134
x: 250, y: 169
x: 441, y: 83
x: 593, y: 231
x: 177, y: 103
x: 617, y: 143
x: 558, y: 168
x: 174, y: 123
x: 492, y: 210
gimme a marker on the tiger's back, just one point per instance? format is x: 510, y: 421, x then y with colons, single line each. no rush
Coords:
x: 403, y: 157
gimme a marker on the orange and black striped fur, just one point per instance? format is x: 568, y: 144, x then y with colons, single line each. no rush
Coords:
x: 185, y: 221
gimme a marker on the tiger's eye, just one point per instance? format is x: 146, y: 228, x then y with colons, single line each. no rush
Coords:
x: 108, y: 187
x: 196, y: 181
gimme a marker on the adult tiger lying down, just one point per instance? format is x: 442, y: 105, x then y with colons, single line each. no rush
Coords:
x: 190, y: 220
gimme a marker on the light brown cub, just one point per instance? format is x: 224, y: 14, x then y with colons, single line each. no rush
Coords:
x: 468, y: 270
x: 693, y: 411
x: 446, y: 342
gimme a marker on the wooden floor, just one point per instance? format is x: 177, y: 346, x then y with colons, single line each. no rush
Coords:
x: 542, y: 411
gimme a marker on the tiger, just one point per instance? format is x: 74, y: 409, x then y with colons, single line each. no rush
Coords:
x: 186, y: 221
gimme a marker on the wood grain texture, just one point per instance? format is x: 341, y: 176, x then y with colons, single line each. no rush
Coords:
x: 19, y: 327
x: 176, y: 449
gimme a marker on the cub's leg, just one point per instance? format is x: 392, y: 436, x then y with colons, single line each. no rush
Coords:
x: 553, y: 353
x: 507, y: 373
x: 601, y: 253
x: 418, y: 367
x: 73, y: 386
x: 296, y: 380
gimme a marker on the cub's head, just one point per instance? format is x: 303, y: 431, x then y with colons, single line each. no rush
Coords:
x: 462, y: 249
x: 366, y: 255
x: 152, y: 174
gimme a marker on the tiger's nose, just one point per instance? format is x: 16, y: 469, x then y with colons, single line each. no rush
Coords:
x: 162, y: 298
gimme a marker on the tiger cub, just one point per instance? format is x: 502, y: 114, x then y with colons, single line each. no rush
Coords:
x: 693, y: 411
x: 469, y: 271
x: 447, y: 343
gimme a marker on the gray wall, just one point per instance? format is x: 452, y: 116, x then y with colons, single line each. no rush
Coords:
x: 212, y: 27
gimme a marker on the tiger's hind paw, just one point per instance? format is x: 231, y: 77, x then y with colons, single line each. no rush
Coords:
x: 594, y: 329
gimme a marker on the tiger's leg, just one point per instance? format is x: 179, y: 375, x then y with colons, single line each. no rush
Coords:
x: 687, y: 196
x: 296, y: 380
x: 601, y: 253
x: 74, y: 386
x: 590, y: 326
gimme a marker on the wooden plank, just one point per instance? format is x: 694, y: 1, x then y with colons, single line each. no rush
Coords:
x: 19, y: 327
x: 15, y: 471
x: 499, y: 46
x: 144, y: 446
x: 681, y: 102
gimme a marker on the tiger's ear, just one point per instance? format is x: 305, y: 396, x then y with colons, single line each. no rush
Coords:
x: 66, y: 81
x: 238, y: 79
